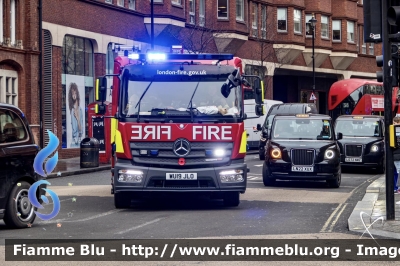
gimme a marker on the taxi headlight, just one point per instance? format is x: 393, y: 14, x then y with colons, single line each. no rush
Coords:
x: 329, y: 154
x: 276, y: 153
x: 375, y: 148
x: 130, y: 176
x: 231, y: 176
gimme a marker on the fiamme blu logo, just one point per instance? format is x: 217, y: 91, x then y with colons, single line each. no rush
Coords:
x: 49, y: 166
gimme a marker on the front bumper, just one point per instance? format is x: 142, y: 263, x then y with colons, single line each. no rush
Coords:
x: 280, y: 169
x: 154, y: 179
x: 370, y: 160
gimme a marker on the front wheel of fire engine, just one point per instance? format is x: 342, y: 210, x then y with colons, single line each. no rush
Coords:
x: 267, y: 180
x: 121, y: 201
x: 19, y: 210
x: 231, y: 199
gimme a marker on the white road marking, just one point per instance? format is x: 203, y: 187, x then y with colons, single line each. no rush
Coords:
x: 82, y: 220
x: 138, y: 226
x: 258, y: 165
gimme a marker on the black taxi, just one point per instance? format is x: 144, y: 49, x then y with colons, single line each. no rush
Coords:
x: 302, y: 147
x: 363, y: 141
x: 17, y: 154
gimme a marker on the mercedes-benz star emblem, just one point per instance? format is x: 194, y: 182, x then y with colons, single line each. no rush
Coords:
x: 181, y: 147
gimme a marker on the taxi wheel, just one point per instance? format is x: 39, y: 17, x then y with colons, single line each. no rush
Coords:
x: 121, y: 201
x: 232, y: 199
x: 336, y: 182
x: 19, y: 210
x: 267, y: 180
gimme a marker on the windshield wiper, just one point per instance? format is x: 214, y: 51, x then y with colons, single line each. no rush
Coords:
x: 140, y: 99
x: 191, y: 102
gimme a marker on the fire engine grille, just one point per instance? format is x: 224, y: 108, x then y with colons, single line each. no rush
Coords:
x: 303, y: 157
x: 354, y: 150
x: 166, y: 157
x: 203, y: 182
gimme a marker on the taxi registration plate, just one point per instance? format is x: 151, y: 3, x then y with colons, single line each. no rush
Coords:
x: 302, y: 169
x: 357, y: 160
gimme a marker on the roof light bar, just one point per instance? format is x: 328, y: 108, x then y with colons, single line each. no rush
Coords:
x: 172, y: 56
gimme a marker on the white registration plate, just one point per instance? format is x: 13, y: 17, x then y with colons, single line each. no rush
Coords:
x: 181, y: 176
x: 302, y: 169
x: 357, y: 160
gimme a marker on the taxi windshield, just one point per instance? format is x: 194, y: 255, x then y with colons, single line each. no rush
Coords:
x: 302, y: 129
x: 358, y: 128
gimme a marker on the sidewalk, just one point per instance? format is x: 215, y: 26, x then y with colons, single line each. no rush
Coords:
x: 66, y: 167
x: 374, y: 207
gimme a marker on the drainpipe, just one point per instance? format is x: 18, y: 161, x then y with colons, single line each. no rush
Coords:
x: 40, y: 75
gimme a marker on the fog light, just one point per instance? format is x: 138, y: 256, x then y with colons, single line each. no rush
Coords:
x: 143, y: 152
x: 154, y: 152
x: 130, y: 176
x: 231, y: 176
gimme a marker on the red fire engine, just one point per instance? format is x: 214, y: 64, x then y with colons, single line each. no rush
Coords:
x: 177, y: 125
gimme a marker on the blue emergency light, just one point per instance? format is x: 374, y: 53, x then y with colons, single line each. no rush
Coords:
x: 171, y: 56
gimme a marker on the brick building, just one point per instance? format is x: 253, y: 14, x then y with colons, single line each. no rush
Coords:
x: 82, y: 37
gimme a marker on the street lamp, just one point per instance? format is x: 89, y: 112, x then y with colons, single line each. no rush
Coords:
x: 313, y: 22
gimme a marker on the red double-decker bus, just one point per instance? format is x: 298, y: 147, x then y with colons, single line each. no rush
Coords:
x: 359, y: 97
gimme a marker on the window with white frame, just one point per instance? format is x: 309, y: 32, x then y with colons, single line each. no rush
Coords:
x: 202, y: 12
x: 239, y: 10
x: 177, y: 2
x: 324, y: 27
x: 132, y: 4
x: 371, y: 49
x: 282, y: 19
x: 222, y: 8
x: 109, y: 1
x: 121, y: 2
x: 192, y: 12
x: 308, y: 25
x: 9, y: 86
x: 364, y: 45
x: 297, y: 21
x: 263, y: 21
x: 336, y: 30
x: 254, y: 23
x: 12, y: 21
x: 350, y: 31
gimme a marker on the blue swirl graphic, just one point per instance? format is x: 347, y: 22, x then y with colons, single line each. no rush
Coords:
x: 46, y: 152
x: 32, y: 198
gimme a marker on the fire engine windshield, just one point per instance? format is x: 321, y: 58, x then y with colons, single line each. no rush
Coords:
x: 302, y: 129
x: 358, y: 128
x: 168, y: 95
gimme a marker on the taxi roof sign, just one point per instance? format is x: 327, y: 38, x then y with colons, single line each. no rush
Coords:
x: 302, y: 115
x: 358, y: 117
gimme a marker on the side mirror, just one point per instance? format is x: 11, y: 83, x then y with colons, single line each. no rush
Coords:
x: 339, y: 136
x: 100, y: 94
x: 259, y: 110
x: 258, y: 91
x: 259, y: 127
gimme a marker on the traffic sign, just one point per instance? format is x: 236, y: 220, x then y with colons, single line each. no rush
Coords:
x: 312, y: 97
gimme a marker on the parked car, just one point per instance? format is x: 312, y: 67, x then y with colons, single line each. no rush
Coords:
x: 16, y: 163
x: 302, y: 147
x: 250, y: 124
x: 285, y: 108
x: 363, y: 142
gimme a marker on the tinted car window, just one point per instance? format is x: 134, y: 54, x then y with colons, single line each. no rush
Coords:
x: 358, y: 128
x: 12, y: 129
x: 300, y: 128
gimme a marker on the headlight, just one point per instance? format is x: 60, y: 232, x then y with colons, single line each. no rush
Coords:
x: 374, y: 148
x: 276, y: 153
x: 231, y: 176
x: 130, y: 176
x: 219, y: 152
x: 329, y: 154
